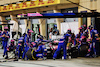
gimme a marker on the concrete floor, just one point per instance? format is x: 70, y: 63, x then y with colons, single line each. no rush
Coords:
x: 77, y: 62
x: 80, y: 62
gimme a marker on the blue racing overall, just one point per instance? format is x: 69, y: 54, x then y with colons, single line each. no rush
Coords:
x: 62, y: 44
x: 26, y: 45
x: 1, y: 37
x: 5, y: 42
x: 41, y: 51
x: 20, y: 46
x: 93, y: 44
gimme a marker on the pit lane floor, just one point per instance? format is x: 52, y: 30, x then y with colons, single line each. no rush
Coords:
x: 77, y: 62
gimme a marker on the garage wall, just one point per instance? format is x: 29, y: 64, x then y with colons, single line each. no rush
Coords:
x: 22, y: 26
x: 72, y: 25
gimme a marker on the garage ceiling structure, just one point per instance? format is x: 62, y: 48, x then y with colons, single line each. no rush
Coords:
x: 62, y: 15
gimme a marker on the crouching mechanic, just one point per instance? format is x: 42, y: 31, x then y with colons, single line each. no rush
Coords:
x: 62, y: 44
x: 5, y: 38
x: 20, y: 47
x: 41, y: 51
x: 27, y: 42
x: 12, y: 46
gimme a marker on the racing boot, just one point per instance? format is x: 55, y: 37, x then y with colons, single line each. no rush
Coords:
x: 6, y: 57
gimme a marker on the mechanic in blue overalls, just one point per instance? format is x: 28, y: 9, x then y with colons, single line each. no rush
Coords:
x: 5, y: 38
x: 0, y: 33
x: 94, y: 35
x: 29, y: 36
x: 84, y: 35
x: 71, y: 37
x: 62, y: 44
x: 40, y: 38
x: 78, y: 37
x: 20, y: 47
x: 55, y: 31
x: 41, y: 50
x: 85, y: 29
x: 27, y: 42
x: 12, y: 46
x: 1, y: 38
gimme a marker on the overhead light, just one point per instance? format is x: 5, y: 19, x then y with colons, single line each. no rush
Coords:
x: 19, y: 2
x: 46, y: 6
x: 13, y: 3
x: 44, y: 0
x: 6, y: 5
x: 1, y: 5
x: 33, y: 0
